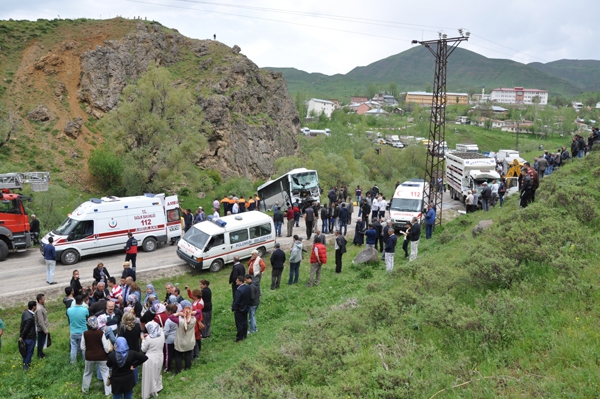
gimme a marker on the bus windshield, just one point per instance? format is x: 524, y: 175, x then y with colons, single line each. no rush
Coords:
x: 304, y: 180
x: 405, y: 205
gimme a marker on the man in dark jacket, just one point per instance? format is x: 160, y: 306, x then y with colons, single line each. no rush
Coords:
x: 237, y: 271
x: 278, y: 221
x: 277, y: 261
x: 379, y: 238
x: 340, y: 250
x: 485, y: 196
x: 365, y: 211
x: 344, y: 217
x: 241, y: 306
x: 34, y: 229
x: 413, y: 236
x: 131, y: 250
x: 254, y: 302
x: 332, y: 196
x: 390, y: 250
x: 385, y: 228
x: 309, y: 219
x: 27, y: 333
x: 325, y: 219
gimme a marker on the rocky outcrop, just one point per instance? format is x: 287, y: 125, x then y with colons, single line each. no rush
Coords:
x: 106, y: 70
x: 39, y: 114
x: 73, y: 128
x: 481, y: 226
x: 254, y: 119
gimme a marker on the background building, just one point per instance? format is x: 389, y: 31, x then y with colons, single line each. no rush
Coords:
x: 518, y: 95
x: 424, y: 98
x: 319, y: 106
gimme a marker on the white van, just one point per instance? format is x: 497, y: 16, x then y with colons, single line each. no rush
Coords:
x: 407, y: 203
x: 211, y: 244
x: 101, y: 225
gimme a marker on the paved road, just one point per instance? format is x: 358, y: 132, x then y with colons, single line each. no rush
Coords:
x: 23, y: 275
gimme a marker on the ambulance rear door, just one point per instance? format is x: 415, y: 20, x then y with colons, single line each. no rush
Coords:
x: 173, y: 217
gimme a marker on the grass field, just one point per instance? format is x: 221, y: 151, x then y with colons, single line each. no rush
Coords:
x: 510, y: 313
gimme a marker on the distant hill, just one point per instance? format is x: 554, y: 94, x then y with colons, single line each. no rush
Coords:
x: 467, y: 71
x: 585, y: 73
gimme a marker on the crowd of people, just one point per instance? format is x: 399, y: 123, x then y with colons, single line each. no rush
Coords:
x: 118, y: 328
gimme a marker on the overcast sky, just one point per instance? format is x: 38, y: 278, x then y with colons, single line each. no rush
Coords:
x: 336, y: 36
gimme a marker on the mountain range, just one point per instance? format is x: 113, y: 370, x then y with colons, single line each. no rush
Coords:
x: 467, y: 72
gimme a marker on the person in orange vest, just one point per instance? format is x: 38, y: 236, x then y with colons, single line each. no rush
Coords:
x: 257, y: 200
x: 242, y: 204
x: 232, y: 200
x: 318, y: 257
x: 250, y: 204
x: 225, y: 203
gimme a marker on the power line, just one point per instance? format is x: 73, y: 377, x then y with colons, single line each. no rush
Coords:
x: 272, y: 20
x: 367, y: 21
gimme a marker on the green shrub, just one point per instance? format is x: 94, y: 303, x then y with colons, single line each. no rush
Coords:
x: 106, y: 168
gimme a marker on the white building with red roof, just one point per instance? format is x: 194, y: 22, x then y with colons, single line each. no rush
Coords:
x: 518, y: 95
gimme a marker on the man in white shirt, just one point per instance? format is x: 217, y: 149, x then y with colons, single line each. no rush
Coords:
x: 495, y: 187
x: 375, y: 208
x: 382, y: 207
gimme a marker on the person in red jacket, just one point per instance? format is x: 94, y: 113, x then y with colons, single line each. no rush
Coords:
x: 318, y: 257
x: 131, y: 249
x: 289, y: 215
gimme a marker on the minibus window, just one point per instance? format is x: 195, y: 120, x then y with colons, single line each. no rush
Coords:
x: 260, y: 231
x: 238, y: 236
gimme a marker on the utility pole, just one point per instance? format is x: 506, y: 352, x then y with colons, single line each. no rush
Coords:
x: 441, y: 50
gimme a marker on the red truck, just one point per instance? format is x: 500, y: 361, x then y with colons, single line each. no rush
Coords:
x: 14, y: 221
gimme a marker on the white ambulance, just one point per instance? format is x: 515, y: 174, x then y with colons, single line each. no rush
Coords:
x: 211, y: 244
x: 101, y: 225
x: 407, y: 203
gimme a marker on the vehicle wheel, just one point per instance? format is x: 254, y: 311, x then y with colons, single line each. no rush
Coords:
x: 69, y: 257
x: 261, y: 251
x: 216, y: 265
x: 149, y: 244
x: 3, y: 250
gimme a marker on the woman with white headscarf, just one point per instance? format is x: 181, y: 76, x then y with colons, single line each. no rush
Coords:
x: 152, y: 345
x: 96, y: 347
x: 121, y: 361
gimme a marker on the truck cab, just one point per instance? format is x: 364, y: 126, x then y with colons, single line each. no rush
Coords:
x: 14, y: 224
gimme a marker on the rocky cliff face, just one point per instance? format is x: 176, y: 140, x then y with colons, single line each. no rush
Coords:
x: 253, y: 117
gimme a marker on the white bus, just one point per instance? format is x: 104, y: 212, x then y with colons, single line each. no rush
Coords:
x: 298, y: 185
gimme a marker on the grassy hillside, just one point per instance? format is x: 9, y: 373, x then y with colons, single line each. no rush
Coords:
x: 585, y: 73
x: 509, y: 313
x: 25, y: 84
x: 413, y: 70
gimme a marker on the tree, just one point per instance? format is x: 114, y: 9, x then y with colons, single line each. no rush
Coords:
x: 159, y: 133
x: 300, y: 101
x: 106, y: 167
x: 372, y: 89
x: 393, y: 90
x: 428, y: 88
x: 487, y: 124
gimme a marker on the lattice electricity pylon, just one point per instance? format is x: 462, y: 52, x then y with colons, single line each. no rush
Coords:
x: 434, y: 163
